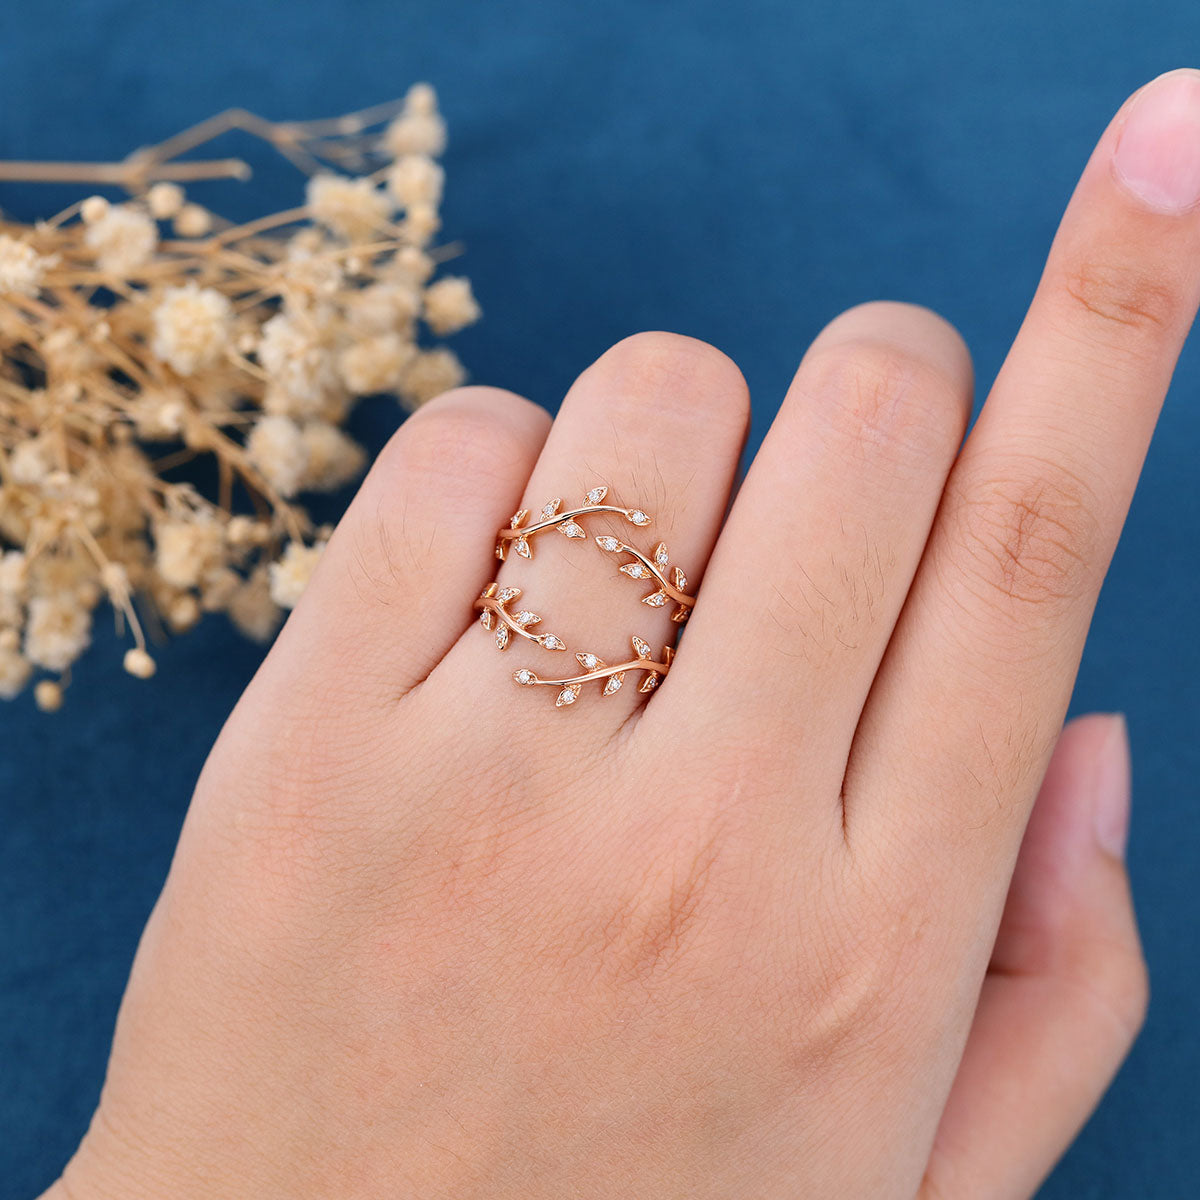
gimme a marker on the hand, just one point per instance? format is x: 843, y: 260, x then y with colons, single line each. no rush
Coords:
x: 427, y: 935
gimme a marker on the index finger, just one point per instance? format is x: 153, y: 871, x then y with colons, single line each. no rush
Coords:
x: 971, y: 696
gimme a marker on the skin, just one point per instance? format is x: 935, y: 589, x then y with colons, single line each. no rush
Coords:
x: 787, y: 926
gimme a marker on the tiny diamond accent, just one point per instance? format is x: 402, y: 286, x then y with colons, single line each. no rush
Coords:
x: 643, y: 651
x: 614, y: 683
x: 638, y: 517
x: 635, y: 570
x: 572, y: 530
x: 519, y: 518
x: 524, y: 617
x: 566, y: 696
x: 660, y: 554
x: 524, y: 676
x: 485, y: 619
x: 502, y: 637
x: 680, y: 580
x: 553, y: 643
x: 596, y: 495
x: 550, y: 509
x: 504, y: 595
x: 608, y: 543
x: 655, y: 599
x: 521, y: 546
x: 649, y: 684
x: 589, y: 662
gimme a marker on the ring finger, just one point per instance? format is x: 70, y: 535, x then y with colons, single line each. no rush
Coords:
x: 658, y: 421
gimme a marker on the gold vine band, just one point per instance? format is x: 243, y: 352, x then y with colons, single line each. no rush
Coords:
x: 507, y: 625
x: 670, y: 583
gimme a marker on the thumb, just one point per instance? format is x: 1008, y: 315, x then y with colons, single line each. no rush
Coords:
x: 1066, y: 990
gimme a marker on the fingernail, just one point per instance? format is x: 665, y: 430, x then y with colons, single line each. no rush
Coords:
x: 1157, y: 159
x: 1110, y: 811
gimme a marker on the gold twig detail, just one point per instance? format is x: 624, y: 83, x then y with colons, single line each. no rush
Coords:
x: 494, y: 614
x: 596, y: 668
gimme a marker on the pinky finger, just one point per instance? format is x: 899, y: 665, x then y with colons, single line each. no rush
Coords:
x: 1066, y: 991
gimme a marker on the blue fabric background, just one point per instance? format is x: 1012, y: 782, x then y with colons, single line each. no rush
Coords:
x: 739, y: 172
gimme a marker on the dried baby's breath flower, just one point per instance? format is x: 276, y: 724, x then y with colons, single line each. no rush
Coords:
x: 191, y: 327
x: 21, y: 267
x: 431, y: 373
x: 354, y: 208
x: 375, y: 364
x: 450, y: 305
x: 332, y: 458
x: 290, y: 575
x: 276, y: 447
x: 138, y: 663
x: 416, y: 179
x: 124, y: 238
x: 140, y: 335
x: 164, y: 200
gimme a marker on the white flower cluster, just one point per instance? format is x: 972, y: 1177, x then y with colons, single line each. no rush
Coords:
x: 152, y: 320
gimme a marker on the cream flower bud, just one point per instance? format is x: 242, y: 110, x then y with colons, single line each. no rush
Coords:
x: 450, y: 305
x: 375, y: 364
x: 431, y: 373
x: 276, y: 447
x: 138, y: 663
x: 290, y: 575
x: 416, y: 179
x: 124, y: 238
x: 164, y: 200
x: 48, y: 695
x: 21, y: 267
x: 191, y: 327
x: 354, y: 208
x: 192, y: 221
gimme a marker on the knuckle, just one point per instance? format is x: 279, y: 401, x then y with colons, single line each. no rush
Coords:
x: 677, y: 373
x: 871, y: 395
x: 1113, y: 295
x: 1027, y: 537
x: 465, y: 433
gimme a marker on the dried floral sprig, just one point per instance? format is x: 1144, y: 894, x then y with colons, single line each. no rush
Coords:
x: 127, y: 325
x: 493, y: 604
x: 596, y: 668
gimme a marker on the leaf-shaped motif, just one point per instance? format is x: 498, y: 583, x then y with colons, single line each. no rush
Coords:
x: 550, y: 509
x: 551, y: 642
x: 637, y: 517
x: 668, y: 655
x: 525, y: 676
x: 614, y: 683
x: 636, y: 570
x: 504, y: 595
x: 655, y: 599
x: 649, y: 683
x: 525, y: 617
x: 597, y: 494
x: 608, y: 543
x: 519, y: 518
x: 679, y: 579
x: 521, y: 546
x: 681, y: 614
x: 660, y: 554
x: 502, y: 637
x: 568, y: 695
x: 589, y: 662
x: 571, y: 529
x: 486, y: 619
x: 640, y: 648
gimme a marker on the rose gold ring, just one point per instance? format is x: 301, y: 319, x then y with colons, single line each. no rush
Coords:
x: 644, y: 566
x: 496, y: 616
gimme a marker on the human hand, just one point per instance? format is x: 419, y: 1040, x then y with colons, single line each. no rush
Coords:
x: 428, y: 935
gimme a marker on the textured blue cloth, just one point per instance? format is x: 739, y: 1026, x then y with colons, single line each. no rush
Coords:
x: 739, y: 172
